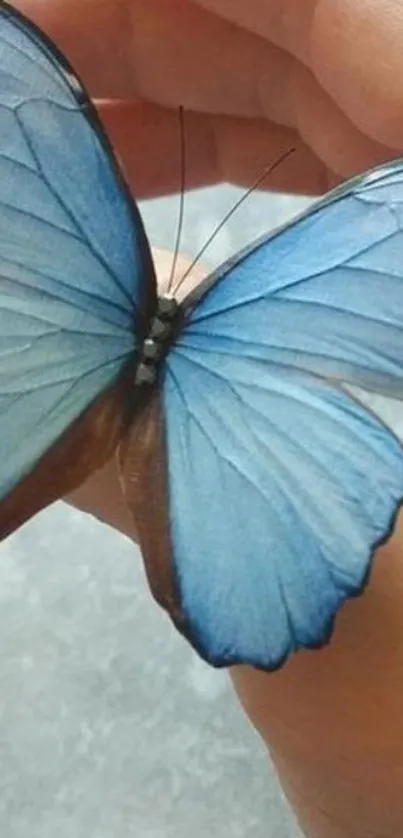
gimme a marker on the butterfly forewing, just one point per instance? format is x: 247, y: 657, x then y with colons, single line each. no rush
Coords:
x: 76, y: 277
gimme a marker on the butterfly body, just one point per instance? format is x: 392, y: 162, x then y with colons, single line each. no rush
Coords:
x: 260, y: 480
x: 159, y: 336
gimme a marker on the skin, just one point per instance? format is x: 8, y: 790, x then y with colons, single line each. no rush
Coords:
x: 256, y: 78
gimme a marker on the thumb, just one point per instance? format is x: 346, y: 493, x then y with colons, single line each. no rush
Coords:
x: 164, y: 262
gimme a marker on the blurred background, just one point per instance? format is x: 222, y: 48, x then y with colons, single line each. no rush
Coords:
x: 110, y: 726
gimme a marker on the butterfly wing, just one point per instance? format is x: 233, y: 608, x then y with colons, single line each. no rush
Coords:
x: 280, y: 482
x: 74, y: 262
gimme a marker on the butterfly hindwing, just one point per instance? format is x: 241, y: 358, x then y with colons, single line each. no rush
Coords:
x: 74, y: 262
x: 280, y: 482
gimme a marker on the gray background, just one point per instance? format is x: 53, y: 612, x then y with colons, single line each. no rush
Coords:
x: 110, y: 726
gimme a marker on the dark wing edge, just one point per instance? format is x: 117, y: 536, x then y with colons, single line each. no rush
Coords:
x: 142, y: 463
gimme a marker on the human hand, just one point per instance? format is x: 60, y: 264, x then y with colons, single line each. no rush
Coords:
x: 332, y: 718
x: 254, y: 78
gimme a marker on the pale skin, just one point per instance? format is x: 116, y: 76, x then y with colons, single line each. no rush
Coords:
x: 256, y: 78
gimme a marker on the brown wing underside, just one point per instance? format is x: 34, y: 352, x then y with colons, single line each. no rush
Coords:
x: 143, y: 467
x: 85, y: 447
x: 81, y: 450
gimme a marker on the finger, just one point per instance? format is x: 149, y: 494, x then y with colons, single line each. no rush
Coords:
x: 147, y: 139
x: 357, y: 55
x: 164, y: 260
x: 225, y: 69
x: 243, y: 75
x: 166, y: 51
x: 353, y: 49
x: 287, y: 24
x: 217, y: 149
x: 330, y: 134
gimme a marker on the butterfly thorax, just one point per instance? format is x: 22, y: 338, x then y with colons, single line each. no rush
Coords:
x: 157, y: 341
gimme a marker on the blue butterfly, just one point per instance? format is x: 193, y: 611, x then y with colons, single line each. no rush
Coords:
x: 259, y: 481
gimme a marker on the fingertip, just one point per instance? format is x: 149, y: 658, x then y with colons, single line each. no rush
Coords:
x: 356, y: 54
x: 331, y: 135
x: 218, y: 149
x: 165, y: 261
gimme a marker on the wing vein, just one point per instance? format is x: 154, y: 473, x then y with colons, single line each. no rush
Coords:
x: 86, y: 293
x: 266, y: 295
x: 44, y: 221
x: 95, y: 253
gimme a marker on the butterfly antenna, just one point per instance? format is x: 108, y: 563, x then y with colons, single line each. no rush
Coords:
x: 182, y: 197
x: 270, y: 169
